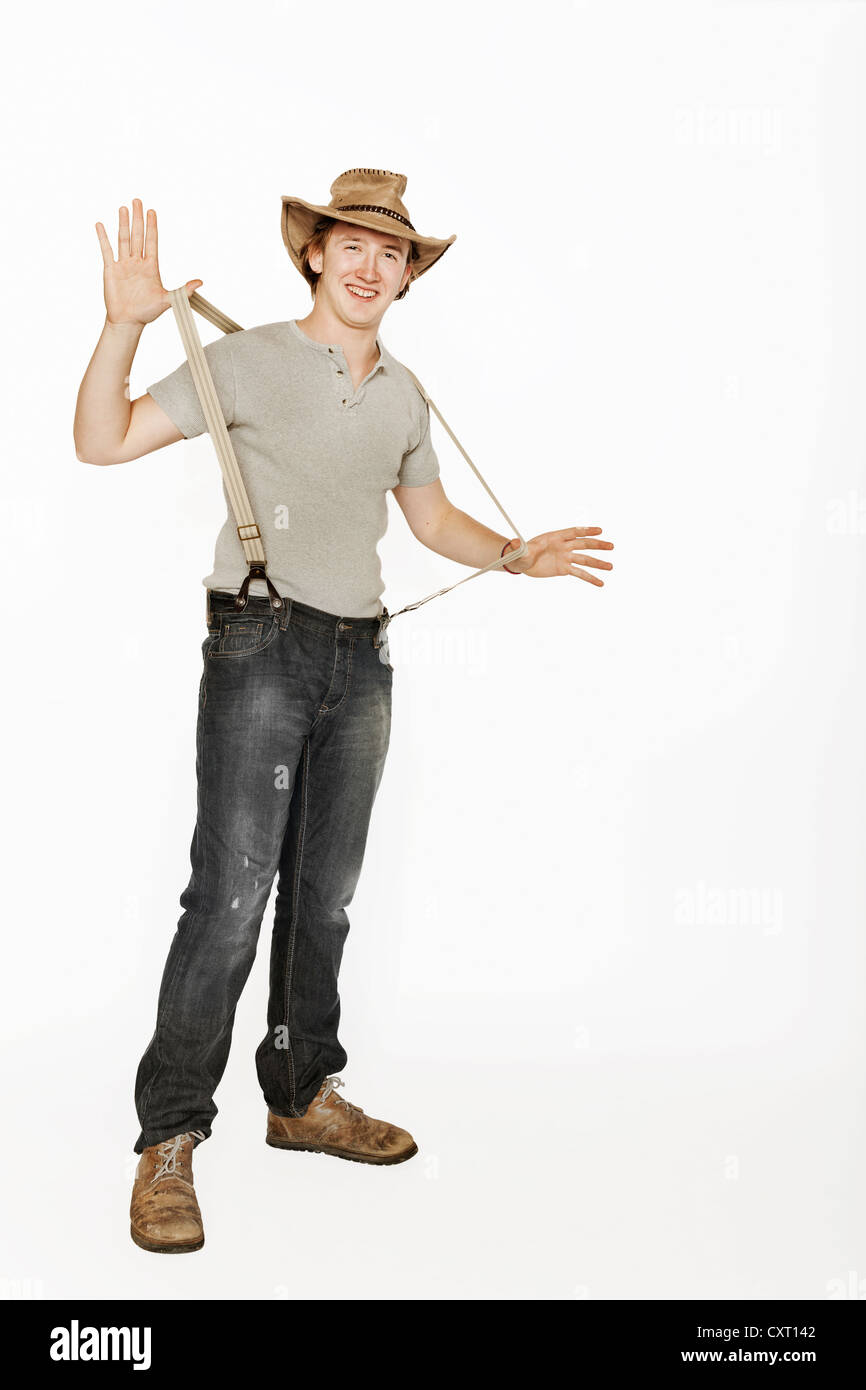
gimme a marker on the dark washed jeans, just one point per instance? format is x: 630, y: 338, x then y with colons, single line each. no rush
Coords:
x: 294, y: 719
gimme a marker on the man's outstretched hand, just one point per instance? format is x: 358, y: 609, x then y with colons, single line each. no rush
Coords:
x: 558, y: 552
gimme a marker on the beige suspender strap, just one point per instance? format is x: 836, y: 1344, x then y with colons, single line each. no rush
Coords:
x: 213, y: 314
x: 494, y: 564
x: 247, y: 529
x: 222, y: 321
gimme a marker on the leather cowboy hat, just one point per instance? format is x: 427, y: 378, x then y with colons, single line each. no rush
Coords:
x: 366, y: 198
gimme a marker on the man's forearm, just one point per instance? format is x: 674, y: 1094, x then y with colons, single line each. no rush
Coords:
x: 460, y: 537
x: 102, y: 409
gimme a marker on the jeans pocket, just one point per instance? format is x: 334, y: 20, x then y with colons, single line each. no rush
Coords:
x: 242, y: 636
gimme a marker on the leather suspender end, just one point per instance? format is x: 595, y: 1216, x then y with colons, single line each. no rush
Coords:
x: 257, y: 571
x: 384, y: 620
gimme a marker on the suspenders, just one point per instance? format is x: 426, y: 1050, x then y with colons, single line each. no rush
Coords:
x: 248, y: 532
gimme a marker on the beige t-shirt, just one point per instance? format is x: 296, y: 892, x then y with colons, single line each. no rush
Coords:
x: 317, y: 458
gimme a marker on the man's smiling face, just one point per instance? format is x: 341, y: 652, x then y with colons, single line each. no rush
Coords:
x: 361, y: 272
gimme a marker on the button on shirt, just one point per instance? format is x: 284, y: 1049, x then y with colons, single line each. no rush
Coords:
x: 317, y: 456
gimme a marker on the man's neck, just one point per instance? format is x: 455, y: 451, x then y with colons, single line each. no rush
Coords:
x: 358, y: 343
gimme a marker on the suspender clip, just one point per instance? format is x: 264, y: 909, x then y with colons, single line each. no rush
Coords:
x: 384, y: 620
x: 257, y: 571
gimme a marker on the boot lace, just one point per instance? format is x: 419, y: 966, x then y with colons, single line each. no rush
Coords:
x: 169, y: 1152
x: 331, y: 1084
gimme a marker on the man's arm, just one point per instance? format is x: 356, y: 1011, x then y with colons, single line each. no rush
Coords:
x: 438, y: 524
x: 442, y: 527
x: 107, y: 427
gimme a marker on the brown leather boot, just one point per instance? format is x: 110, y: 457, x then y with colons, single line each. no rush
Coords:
x: 333, y: 1125
x: 164, y: 1213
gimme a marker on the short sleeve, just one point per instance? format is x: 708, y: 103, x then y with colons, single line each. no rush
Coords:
x: 420, y: 465
x: 177, y: 396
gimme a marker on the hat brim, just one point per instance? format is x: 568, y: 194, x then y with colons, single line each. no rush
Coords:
x: 298, y: 218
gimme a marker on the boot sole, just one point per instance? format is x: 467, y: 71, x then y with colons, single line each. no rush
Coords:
x: 341, y: 1153
x: 179, y: 1248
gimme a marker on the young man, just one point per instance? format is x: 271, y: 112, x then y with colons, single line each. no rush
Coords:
x: 294, y: 707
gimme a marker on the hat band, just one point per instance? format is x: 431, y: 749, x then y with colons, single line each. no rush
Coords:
x: 371, y: 207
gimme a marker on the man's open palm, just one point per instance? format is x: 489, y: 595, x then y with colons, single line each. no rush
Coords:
x: 134, y: 292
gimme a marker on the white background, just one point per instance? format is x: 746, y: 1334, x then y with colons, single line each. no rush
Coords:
x: 606, y: 955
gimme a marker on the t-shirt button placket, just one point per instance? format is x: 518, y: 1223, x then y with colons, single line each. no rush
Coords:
x: 338, y: 372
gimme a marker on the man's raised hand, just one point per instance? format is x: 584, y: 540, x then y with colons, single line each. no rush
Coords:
x: 134, y: 292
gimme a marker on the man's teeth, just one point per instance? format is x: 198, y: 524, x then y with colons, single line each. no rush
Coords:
x: 362, y: 294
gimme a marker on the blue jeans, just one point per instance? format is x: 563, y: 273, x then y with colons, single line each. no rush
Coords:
x: 294, y: 719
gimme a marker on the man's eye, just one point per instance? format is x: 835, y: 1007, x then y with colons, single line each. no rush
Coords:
x: 354, y: 246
